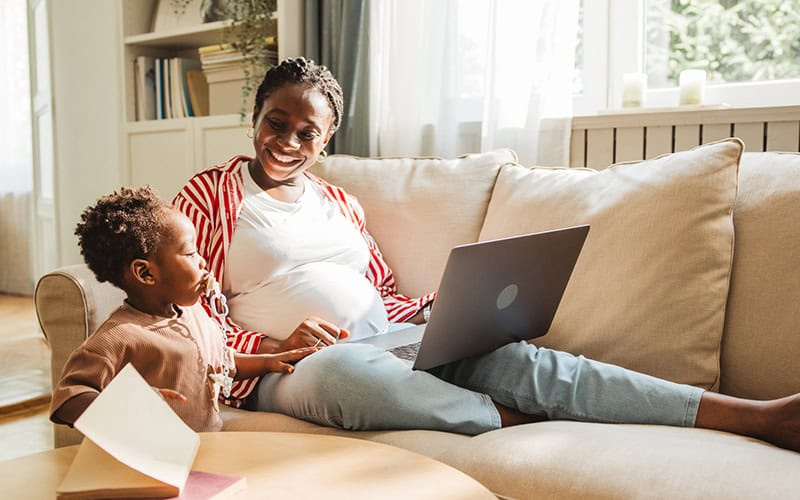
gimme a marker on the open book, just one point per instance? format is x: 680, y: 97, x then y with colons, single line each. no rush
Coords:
x: 135, y: 446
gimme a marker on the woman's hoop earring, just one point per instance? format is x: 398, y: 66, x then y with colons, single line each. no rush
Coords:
x: 322, y: 155
x: 250, y: 132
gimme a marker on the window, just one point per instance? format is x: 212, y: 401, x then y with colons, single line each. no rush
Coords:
x: 750, y: 50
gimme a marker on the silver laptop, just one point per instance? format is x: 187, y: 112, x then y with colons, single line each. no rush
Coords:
x: 492, y: 293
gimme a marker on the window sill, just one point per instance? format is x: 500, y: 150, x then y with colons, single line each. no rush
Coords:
x: 684, y: 115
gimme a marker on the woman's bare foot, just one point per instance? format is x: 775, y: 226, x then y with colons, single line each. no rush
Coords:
x: 776, y: 421
x: 783, y: 428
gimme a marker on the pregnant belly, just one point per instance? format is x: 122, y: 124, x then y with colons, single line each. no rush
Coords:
x: 329, y: 291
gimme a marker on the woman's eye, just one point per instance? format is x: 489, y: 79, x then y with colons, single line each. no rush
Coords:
x: 274, y: 125
x: 308, y: 136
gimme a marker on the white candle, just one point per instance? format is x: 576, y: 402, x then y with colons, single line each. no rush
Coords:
x: 692, y: 84
x: 634, y: 86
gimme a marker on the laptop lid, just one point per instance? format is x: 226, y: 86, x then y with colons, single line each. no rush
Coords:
x: 500, y: 291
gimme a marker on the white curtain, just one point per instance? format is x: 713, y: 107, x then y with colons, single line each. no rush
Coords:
x: 460, y: 76
x: 16, y: 166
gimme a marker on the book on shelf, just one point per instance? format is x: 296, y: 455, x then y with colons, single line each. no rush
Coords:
x: 172, y: 89
x: 179, y: 109
x: 198, y: 91
x: 145, y: 88
x: 157, y: 82
x: 135, y: 446
x: 166, y: 91
x: 185, y: 65
x: 225, y: 55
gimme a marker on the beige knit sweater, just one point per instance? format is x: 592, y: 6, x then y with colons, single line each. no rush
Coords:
x: 175, y: 353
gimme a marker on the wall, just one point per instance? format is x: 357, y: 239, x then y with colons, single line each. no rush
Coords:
x: 85, y: 58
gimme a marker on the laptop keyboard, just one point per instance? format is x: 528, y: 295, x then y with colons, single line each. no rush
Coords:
x: 407, y: 352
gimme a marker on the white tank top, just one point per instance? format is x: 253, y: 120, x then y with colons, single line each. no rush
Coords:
x: 289, y: 261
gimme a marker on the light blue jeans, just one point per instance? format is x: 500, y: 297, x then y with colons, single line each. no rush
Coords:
x: 361, y: 387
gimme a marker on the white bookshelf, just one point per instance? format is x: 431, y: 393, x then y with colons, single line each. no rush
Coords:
x: 165, y: 153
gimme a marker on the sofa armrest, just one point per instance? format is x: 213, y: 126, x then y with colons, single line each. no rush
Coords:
x: 70, y: 305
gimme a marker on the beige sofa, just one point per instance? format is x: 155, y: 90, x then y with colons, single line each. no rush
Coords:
x: 690, y: 272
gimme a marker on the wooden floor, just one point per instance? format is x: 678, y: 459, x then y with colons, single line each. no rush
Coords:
x: 24, y: 380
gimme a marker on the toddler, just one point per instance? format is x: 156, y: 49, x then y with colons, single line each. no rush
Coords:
x: 139, y: 243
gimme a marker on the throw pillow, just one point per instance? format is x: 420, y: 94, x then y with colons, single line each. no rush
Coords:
x: 649, y: 289
x: 417, y: 209
x: 762, y: 337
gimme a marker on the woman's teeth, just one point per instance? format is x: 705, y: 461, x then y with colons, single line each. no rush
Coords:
x: 284, y: 159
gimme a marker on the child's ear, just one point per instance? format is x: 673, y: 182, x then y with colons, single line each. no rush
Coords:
x: 140, y: 269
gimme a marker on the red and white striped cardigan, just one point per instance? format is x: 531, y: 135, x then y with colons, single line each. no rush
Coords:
x: 212, y: 200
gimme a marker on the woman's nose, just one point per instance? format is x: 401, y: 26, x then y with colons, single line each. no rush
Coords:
x: 289, y: 141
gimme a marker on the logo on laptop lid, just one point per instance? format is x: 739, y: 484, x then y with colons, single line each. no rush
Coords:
x: 507, y: 296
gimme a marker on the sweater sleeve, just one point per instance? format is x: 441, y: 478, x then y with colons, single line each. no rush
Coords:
x: 85, y: 371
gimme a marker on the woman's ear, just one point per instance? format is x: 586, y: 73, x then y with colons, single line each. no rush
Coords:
x: 328, y: 137
x: 140, y: 270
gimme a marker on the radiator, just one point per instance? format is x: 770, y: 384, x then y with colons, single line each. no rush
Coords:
x: 16, y: 263
x: 601, y: 140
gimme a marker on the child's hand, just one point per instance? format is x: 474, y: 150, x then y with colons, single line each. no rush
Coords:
x: 281, y: 362
x: 170, y: 394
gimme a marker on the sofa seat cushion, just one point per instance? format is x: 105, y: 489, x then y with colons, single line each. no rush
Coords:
x: 417, y: 209
x: 761, y: 342
x: 580, y: 460
x: 649, y: 289
x: 563, y: 459
x: 433, y: 444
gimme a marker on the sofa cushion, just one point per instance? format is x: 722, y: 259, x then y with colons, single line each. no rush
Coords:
x: 563, y: 459
x: 443, y: 205
x: 761, y: 343
x: 430, y: 443
x: 649, y: 289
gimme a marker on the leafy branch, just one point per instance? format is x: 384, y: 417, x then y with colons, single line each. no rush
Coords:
x: 252, y: 33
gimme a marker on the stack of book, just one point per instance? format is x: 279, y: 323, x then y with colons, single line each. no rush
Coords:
x: 169, y: 87
x: 223, y: 67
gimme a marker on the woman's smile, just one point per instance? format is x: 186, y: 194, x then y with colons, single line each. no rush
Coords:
x: 282, y: 160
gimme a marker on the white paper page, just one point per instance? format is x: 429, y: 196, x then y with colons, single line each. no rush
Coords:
x: 131, y: 422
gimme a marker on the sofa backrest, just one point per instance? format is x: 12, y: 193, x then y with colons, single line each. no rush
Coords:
x: 70, y: 305
x: 419, y: 208
x: 761, y: 339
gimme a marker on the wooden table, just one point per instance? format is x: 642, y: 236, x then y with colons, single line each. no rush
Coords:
x: 281, y: 465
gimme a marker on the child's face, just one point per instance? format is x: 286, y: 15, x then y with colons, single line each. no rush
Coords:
x: 181, y: 275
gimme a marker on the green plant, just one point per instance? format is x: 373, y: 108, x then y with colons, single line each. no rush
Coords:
x: 252, y: 32
x: 733, y: 40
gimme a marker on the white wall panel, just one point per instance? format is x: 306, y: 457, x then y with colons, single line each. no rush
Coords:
x: 629, y: 144
x: 600, y: 148
x: 659, y: 141
x: 783, y: 136
x: 752, y: 134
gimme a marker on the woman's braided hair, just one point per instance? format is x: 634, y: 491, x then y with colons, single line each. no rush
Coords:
x: 125, y: 225
x: 303, y: 71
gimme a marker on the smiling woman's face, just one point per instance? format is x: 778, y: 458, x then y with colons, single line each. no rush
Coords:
x: 291, y: 130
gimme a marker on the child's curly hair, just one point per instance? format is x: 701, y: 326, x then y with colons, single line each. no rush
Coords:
x: 125, y: 225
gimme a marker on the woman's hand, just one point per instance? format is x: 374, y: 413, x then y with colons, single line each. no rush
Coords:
x: 314, y: 331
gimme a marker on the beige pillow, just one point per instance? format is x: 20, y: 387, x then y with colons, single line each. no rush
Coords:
x: 650, y: 286
x: 417, y: 209
x: 761, y: 344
